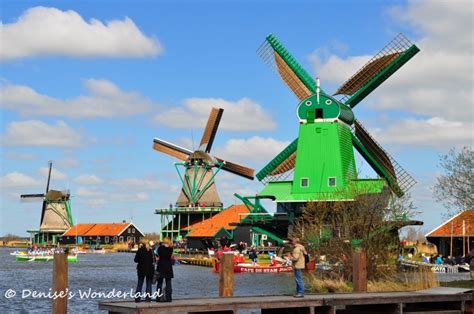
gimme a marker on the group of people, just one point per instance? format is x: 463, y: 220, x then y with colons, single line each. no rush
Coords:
x: 447, y: 260
x: 155, y: 261
x: 293, y: 254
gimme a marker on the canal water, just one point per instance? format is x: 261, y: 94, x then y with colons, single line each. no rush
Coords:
x: 96, y: 274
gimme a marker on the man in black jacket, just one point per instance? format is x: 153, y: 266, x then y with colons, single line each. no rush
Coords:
x: 145, y: 269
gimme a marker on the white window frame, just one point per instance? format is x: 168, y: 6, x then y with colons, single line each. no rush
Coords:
x: 301, y: 182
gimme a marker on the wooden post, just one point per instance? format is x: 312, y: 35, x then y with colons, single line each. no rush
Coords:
x: 359, y: 270
x: 226, y: 273
x: 60, y: 283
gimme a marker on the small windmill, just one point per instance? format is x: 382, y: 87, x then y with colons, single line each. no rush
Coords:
x: 321, y: 159
x: 56, y: 215
x: 198, y: 196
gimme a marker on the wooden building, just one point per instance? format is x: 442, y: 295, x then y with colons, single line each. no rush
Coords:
x: 102, y: 233
x: 455, y: 237
x: 226, y: 227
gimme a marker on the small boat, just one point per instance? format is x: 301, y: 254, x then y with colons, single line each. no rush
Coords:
x: 18, y: 253
x: 436, y: 268
x: 101, y: 251
x: 42, y: 258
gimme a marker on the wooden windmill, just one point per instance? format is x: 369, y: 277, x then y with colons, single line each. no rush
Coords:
x: 197, y: 170
x: 56, y: 215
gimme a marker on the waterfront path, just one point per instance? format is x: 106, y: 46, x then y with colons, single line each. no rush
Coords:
x: 436, y: 300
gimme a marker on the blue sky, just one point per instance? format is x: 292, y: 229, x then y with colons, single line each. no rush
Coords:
x: 89, y: 84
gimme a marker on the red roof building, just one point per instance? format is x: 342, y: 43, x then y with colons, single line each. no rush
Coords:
x: 102, y: 233
x: 222, y: 221
x: 459, y: 230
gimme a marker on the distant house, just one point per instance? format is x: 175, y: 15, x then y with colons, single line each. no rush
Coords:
x: 102, y: 233
x: 223, y: 227
x: 459, y: 230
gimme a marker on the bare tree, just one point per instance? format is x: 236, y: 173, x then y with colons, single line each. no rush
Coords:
x: 414, y: 234
x: 455, y: 188
x: 370, y: 221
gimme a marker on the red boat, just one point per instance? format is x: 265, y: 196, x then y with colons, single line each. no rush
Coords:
x: 249, y: 268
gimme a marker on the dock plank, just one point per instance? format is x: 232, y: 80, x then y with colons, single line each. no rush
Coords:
x: 196, y: 305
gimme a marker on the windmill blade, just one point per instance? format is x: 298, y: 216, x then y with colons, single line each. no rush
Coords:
x: 236, y: 169
x: 374, y: 148
x: 211, y: 128
x: 31, y: 197
x: 171, y: 149
x: 292, y: 73
x: 282, y: 163
x: 397, y: 178
x: 49, y: 175
x: 287, y: 165
x: 385, y: 63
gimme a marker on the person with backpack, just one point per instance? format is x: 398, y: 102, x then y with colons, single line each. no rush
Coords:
x: 298, y: 257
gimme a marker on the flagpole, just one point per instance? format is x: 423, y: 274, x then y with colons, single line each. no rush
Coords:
x: 451, y: 246
x: 463, y: 238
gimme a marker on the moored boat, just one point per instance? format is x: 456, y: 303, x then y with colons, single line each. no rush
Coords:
x: 250, y: 268
x: 41, y: 258
x: 436, y: 268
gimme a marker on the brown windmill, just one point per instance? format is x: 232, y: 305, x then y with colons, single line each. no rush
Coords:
x: 198, y: 198
x: 56, y: 215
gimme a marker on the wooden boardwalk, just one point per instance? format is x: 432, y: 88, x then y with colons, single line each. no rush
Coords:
x: 437, y: 300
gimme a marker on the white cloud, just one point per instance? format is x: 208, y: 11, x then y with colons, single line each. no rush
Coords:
x: 55, y: 173
x: 20, y: 156
x: 241, y: 115
x: 255, y: 149
x: 97, y: 192
x: 67, y: 163
x: 435, y: 132
x: 103, y: 100
x: 88, y: 179
x: 437, y: 83
x: 142, y: 184
x: 17, y: 179
x: 50, y: 31
x: 38, y: 133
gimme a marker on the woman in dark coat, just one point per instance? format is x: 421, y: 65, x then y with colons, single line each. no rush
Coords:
x: 145, y: 269
x: 165, y: 269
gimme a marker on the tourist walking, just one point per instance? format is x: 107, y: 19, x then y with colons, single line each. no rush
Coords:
x: 145, y: 271
x: 164, y: 267
x: 298, y: 259
x: 253, y: 255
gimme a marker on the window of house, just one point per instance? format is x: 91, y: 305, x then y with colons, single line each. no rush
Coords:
x: 121, y: 239
x: 128, y: 230
x: 106, y: 239
x: 304, y: 182
x: 133, y: 230
x: 332, y: 181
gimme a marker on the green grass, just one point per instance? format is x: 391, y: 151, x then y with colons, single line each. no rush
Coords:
x: 468, y: 284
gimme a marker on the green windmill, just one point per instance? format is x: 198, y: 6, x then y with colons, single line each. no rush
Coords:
x: 319, y: 165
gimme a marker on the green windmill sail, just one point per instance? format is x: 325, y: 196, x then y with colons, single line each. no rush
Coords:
x: 319, y: 165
